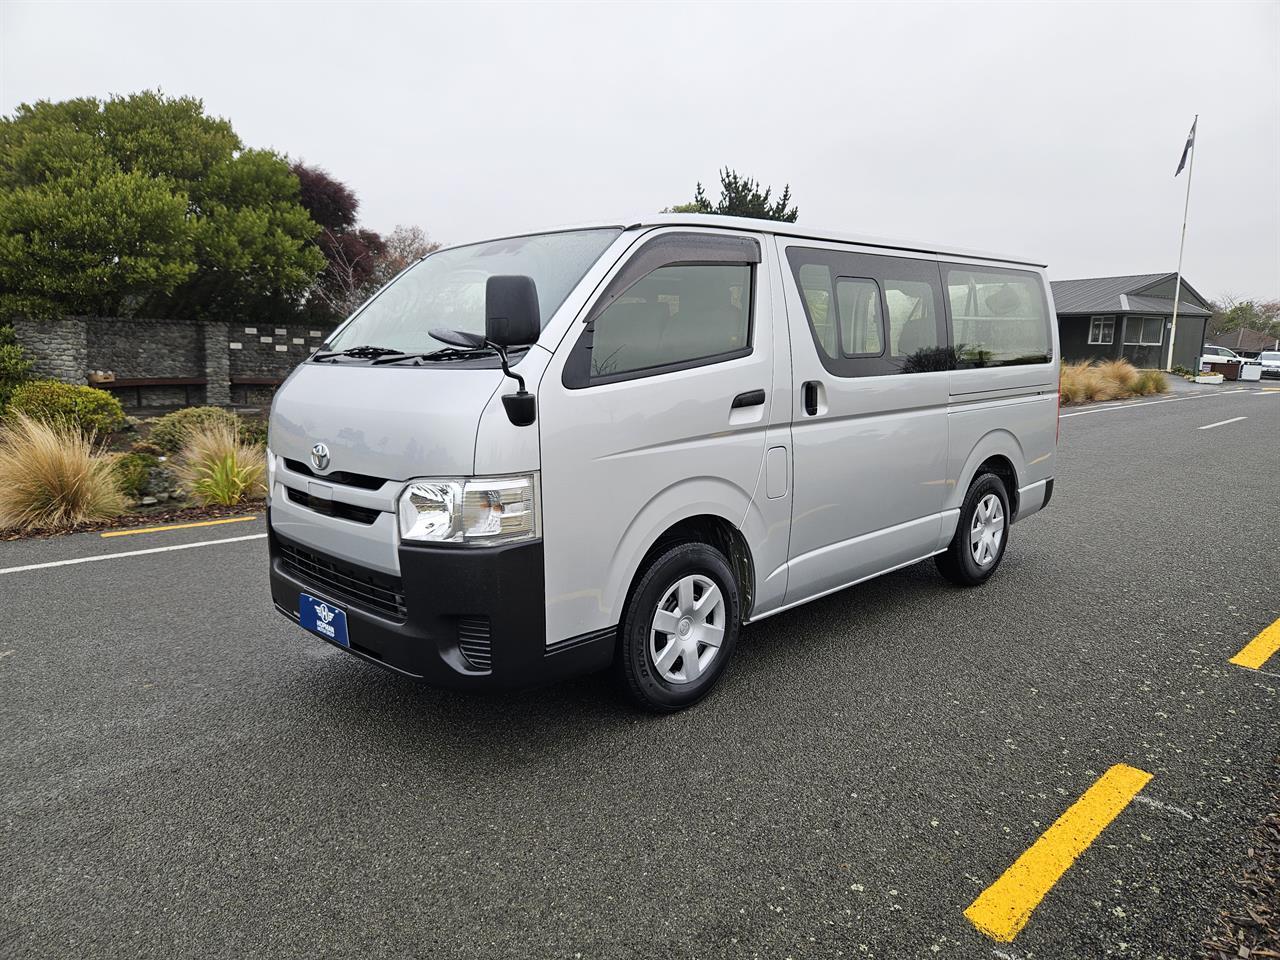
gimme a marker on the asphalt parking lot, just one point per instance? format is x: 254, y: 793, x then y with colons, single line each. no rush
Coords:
x: 184, y: 774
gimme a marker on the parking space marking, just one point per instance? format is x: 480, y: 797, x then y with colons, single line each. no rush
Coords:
x: 1221, y: 423
x: 175, y: 526
x: 129, y: 553
x: 1004, y: 908
x: 1259, y: 650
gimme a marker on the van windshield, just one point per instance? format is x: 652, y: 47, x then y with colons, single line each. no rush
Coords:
x: 447, y: 288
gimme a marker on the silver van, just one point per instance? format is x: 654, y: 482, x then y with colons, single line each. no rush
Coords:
x: 545, y: 454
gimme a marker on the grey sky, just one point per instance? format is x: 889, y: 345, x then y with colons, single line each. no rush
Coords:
x: 1046, y: 129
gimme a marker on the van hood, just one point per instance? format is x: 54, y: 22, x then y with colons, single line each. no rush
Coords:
x: 390, y: 422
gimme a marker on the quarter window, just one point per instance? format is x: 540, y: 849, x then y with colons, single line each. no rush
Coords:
x: 998, y: 318
x: 1102, y: 330
x: 1143, y: 331
x: 675, y: 315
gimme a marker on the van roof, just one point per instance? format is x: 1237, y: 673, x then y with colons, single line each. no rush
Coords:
x: 782, y: 229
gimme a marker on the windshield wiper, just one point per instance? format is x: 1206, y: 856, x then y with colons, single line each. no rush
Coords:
x: 362, y: 352
x: 444, y: 353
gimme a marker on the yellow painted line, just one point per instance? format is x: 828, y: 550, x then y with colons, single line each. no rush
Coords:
x: 176, y: 526
x: 1258, y: 650
x: 1004, y: 908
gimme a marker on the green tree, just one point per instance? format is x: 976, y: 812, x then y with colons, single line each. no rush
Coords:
x: 1232, y: 314
x: 741, y: 197
x: 144, y: 203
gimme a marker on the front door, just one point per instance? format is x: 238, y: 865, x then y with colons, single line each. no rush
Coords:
x: 655, y: 410
x: 869, y: 423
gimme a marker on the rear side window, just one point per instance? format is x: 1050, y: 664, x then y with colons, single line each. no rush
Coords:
x: 1000, y: 318
x: 872, y: 315
x: 674, y: 316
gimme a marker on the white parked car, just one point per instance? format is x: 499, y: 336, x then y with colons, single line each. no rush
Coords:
x: 1219, y: 355
x: 1270, y: 360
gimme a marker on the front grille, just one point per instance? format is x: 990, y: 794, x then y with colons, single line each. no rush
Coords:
x: 474, y: 642
x: 363, y: 481
x: 342, y: 581
x: 333, y: 508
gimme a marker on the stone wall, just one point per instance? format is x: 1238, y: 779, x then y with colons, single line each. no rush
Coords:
x: 139, y: 349
x: 258, y: 351
x: 60, y: 348
x: 224, y: 362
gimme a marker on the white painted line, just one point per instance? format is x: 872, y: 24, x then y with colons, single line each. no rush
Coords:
x: 1210, y: 426
x: 129, y: 553
x: 1170, y: 808
x: 1110, y: 406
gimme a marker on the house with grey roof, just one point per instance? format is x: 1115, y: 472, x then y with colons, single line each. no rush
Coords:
x: 1109, y: 318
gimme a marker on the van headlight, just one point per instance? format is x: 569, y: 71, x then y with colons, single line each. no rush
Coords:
x: 479, y: 510
x: 271, y: 472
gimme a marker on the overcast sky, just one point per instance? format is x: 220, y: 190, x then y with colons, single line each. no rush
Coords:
x: 1051, y: 130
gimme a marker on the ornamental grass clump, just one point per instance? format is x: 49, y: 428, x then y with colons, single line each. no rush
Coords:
x: 1110, y: 380
x: 52, y: 476
x: 217, y: 467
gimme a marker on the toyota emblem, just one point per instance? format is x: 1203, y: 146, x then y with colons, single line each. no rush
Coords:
x: 320, y: 456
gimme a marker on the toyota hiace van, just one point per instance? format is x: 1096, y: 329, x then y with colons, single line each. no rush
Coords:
x: 543, y: 454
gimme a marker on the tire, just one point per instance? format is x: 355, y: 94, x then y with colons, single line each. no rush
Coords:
x: 668, y: 670
x: 971, y: 563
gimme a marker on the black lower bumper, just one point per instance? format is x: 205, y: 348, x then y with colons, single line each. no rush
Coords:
x: 468, y: 618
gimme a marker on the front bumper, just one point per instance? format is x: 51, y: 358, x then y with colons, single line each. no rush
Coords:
x: 470, y: 618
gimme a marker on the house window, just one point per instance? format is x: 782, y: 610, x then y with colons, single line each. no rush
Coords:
x: 1143, y: 331
x: 1102, y: 330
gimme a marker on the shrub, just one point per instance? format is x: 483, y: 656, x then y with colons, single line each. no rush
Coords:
x: 1109, y: 380
x: 134, y: 472
x: 15, y: 368
x: 150, y: 449
x: 51, y: 476
x: 88, y: 409
x: 1151, y: 381
x: 216, y: 466
x: 170, y: 432
x: 253, y: 432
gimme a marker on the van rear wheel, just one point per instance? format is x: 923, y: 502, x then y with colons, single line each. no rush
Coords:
x: 679, y: 628
x: 981, y: 534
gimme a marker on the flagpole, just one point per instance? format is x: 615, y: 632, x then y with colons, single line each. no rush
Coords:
x: 1177, y: 287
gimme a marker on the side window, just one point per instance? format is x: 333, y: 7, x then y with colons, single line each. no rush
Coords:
x: 1102, y: 330
x: 676, y: 315
x: 858, y: 307
x: 1000, y: 318
x: 1144, y: 332
x: 871, y: 315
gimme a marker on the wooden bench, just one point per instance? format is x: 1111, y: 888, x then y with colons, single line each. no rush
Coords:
x: 136, y: 384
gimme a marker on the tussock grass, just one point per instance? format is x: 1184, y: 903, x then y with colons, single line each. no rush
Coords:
x: 52, y: 476
x: 1109, y: 380
x: 217, y: 466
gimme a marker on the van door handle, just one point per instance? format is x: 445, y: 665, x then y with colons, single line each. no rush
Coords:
x: 810, y: 394
x: 752, y: 398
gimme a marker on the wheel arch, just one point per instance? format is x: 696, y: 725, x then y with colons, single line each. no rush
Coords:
x: 699, y: 510
x: 998, y: 452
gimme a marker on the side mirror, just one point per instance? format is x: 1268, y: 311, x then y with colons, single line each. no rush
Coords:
x: 511, y: 316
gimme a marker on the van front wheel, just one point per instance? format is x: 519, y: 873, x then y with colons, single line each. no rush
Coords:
x: 679, y: 629
x: 981, y: 534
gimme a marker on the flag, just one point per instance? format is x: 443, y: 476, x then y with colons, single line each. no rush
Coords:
x: 1191, y: 142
